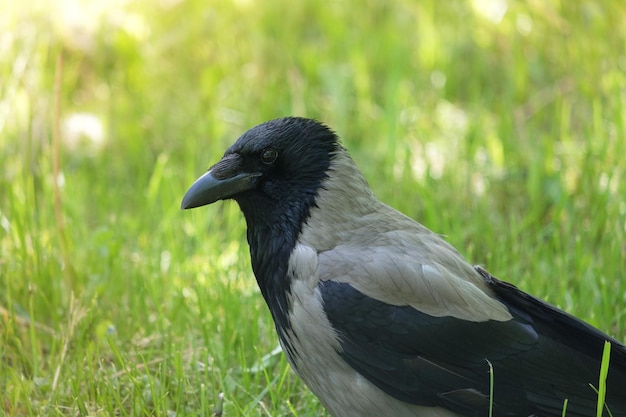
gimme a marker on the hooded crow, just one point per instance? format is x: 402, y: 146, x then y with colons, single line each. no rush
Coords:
x: 378, y: 315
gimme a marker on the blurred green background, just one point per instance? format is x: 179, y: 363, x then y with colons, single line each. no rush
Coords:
x: 500, y: 124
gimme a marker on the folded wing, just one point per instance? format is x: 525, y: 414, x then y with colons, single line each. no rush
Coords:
x: 533, y: 360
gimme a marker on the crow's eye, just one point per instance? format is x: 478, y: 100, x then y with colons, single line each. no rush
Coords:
x: 269, y: 155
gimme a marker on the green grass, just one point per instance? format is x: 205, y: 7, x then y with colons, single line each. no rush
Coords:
x: 505, y: 133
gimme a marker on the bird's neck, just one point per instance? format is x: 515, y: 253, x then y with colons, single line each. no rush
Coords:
x: 270, y: 246
x: 273, y: 230
x: 344, y: 205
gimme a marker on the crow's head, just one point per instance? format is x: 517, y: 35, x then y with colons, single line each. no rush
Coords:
x: 275, y: 167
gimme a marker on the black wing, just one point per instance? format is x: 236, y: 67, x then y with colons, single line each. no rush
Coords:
x: 539, y: 358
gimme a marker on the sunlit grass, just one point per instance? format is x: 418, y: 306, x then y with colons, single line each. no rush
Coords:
x: 500, y: 127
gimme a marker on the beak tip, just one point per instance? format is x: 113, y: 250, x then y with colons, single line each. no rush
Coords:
x: 196, y: 194
x: 189, y: 201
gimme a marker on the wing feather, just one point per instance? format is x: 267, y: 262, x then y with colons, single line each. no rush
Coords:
x: 388, y: 273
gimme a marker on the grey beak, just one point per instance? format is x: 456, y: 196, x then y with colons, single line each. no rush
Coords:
x: 221, y: 182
